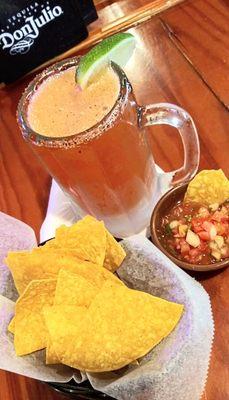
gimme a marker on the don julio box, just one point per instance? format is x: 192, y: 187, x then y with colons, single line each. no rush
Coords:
x: 32, y: 32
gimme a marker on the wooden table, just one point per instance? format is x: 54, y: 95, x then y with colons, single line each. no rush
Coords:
x: 182, y: 58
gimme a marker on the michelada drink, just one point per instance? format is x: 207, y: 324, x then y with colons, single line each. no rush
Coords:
x: 108, y: 169
x: 81, y: 118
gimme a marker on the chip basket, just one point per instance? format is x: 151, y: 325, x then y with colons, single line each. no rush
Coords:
x: 83, y: 391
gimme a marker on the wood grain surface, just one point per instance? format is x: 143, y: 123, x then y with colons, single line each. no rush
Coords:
x: 176, y: 61
x: 200, y: 29
x: 114, y: 12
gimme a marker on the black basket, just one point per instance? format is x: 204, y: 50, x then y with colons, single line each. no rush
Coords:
x: 83, y: 391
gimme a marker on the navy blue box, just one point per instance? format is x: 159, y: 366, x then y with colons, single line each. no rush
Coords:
x: 32, y: 32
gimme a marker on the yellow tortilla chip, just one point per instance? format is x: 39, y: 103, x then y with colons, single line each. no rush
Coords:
x: 87, y: 237
x: 120, y: 326
x: 50, y: 354
x: 208, y: 187
x: 27, y: 266
x: 69, y: 287
x: 63, y: 323
x: 11, y: 326
x: 115, y: 254
x: 72, y: 289
x: 97, y: 276
x: 30, y: 330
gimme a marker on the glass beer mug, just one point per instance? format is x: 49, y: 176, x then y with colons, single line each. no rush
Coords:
x: 108, y: 170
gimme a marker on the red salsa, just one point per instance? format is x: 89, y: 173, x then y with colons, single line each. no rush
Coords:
x: 196, y: 234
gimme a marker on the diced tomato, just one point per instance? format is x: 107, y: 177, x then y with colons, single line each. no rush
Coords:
x: 204, y: 235
x: 185, y: 248
x: 177, y: 241
x: 194, y: 252
x: 177, y: 244
x: 195, y: 259
x: 204, y: 247
x: 222, y: 229
x: 197, y: 224
x: 217, y: 216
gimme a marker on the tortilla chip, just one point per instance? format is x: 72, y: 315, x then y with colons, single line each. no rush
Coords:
x: 27, y: 266
x: 115, y: 254
x: 63, y: 323
x: 87, y: 237
x: 50, y: 354
x: 30, y: 329
x: 120, y: 326
x: 208, y: 187
x: 11, y: 326
x: 97, y: 276
x: 72, y: 289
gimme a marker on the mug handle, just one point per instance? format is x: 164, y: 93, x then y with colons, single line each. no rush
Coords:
x: 170, y: 114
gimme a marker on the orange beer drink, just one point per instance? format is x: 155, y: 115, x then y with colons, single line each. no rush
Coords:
x: 92, y: 144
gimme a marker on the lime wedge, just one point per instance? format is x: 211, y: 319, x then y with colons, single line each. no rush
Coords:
x: 117, y: 48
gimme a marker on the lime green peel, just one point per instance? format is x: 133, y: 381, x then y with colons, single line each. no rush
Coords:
x: 118, y: 48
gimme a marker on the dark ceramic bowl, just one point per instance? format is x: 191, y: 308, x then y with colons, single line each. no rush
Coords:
x: 165, y: 203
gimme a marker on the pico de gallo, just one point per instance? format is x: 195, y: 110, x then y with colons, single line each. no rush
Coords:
x: 196, y: 234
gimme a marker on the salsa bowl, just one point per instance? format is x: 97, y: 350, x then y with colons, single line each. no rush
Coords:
x: 166, y: 203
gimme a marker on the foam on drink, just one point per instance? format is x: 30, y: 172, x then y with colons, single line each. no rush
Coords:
x: 60, y: 108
